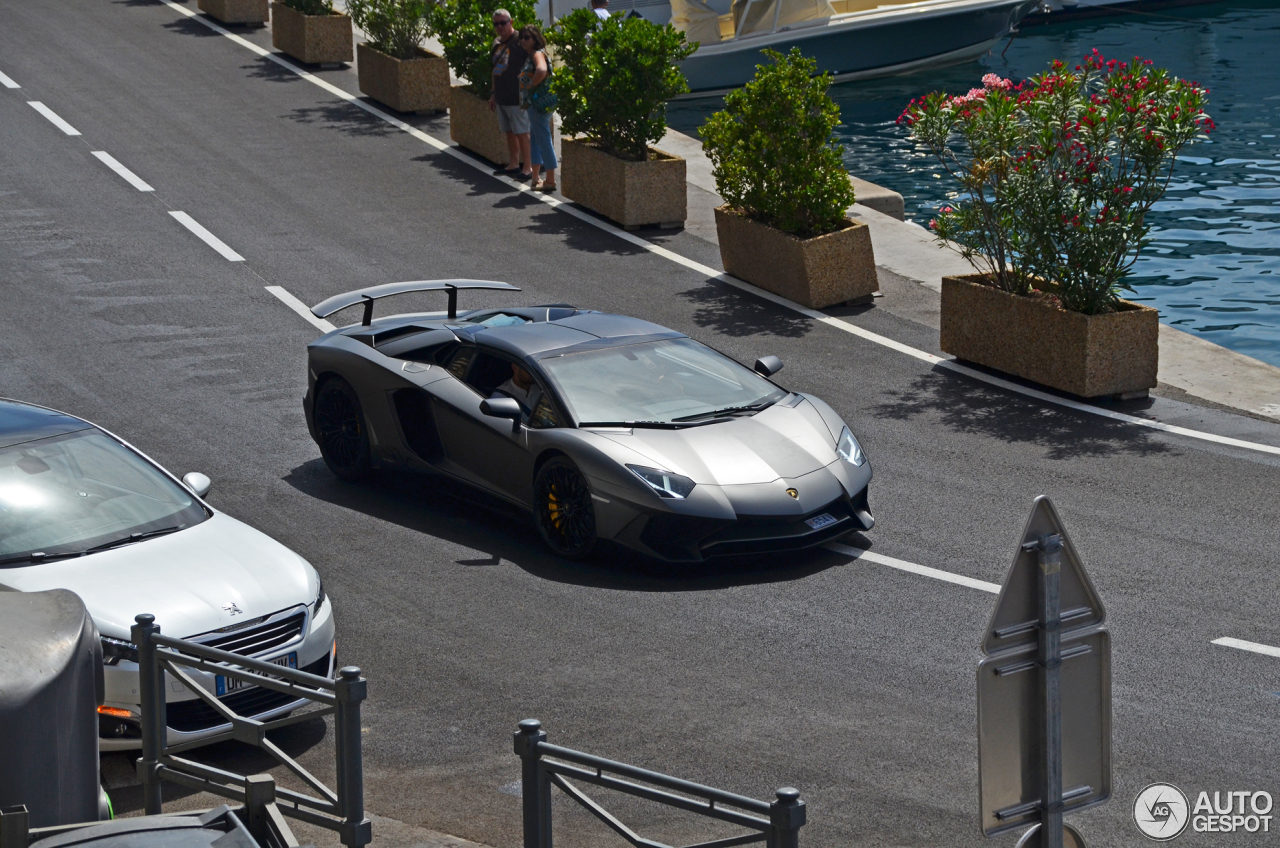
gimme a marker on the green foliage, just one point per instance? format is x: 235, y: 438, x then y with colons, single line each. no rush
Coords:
x: 614, y: 79
x: 1057, y: 174
x: 771, y: 150
x: 311, y: 7
x: 395, y: 27
x: 465, y: 30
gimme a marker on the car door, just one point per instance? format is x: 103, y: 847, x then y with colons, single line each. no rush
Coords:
x: 479, y: 448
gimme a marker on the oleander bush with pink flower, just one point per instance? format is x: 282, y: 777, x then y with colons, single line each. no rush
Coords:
x: 1057, y: 174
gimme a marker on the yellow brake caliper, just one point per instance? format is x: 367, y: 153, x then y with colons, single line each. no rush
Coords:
x: 553, y: 508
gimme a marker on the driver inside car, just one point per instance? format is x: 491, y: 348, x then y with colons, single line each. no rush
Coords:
x: 522, y: 388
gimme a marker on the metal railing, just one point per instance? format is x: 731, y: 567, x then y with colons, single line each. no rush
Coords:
x: 341, y: 810
x: 775, y: 823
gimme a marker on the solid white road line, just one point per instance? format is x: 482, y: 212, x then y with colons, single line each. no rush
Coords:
x: 207, y: 237
x: 129, y: 176
x: 913, y: 568
x: 8, y: 83
x: 53, y: 117
x: 301, y: 308
x: 697, y: 267
x: 1255, y: 647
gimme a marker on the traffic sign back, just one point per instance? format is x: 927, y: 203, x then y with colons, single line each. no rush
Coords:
x: 1013, y: 624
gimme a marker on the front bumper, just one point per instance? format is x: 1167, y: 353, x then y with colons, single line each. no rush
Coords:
x: 189, y: 717
x: 728, y: 521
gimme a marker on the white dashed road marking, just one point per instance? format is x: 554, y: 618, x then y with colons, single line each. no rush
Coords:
x: 53, y: 117
x: 913, y: 568
x: 207, y: 237
x: 1240, y: 644
x: 8, y: 83
x: 129, y: 176
x: 301, y: 308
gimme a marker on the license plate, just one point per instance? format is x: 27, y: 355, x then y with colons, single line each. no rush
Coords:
x: 227, y: 685
x: 820, y: 521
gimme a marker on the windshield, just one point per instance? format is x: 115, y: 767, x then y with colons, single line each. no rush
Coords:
x: 664, y: 382
x: 69, y: 493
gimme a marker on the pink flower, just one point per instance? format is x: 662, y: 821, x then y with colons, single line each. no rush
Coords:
x: 993, y: 81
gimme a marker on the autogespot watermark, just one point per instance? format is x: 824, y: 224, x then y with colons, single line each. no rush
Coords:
x: 1162, y: 811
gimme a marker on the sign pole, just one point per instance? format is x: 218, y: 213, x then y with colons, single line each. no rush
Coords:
x: 1049, y: 553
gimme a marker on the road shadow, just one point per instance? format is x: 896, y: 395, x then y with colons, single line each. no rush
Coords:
x: 733, y: 312
x: 190, y: 26
x: 266, y: 69
x: 236, y: 757
x: 578, y: 235
x: 967, y: 406
x: 504, y: 534
x: 477, y: 183
x: 343, y: 117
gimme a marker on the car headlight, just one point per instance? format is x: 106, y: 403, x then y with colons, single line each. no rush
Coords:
x: 848, y: 448
x: 320, y: 593
x: 664, y: 483
x: 114, y: 650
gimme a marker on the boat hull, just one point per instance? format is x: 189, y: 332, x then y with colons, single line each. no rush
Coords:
x: 885, y: 42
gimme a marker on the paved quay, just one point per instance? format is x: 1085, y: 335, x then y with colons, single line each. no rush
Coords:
x: 839, y: 672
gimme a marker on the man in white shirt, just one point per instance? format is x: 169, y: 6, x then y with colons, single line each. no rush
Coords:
x: 522, y: 388
x: 601, y: 8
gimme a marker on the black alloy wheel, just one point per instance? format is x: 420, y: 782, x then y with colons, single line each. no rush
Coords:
x: 563, y: 510
x: 340, y: 430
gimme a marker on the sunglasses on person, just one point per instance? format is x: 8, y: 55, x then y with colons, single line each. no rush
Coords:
x: 500, y: 24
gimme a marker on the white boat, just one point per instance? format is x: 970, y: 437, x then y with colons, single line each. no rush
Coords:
x: 850, y: 39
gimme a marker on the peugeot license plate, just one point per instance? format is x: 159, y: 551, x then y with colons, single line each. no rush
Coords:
x: 227, y: 685
x: 820, y: 521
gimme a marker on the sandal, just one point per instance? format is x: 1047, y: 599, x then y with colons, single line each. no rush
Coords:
x: 545, y: 186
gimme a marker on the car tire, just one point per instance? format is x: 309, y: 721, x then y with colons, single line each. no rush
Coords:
x: 563, y: 510
x: 341, y: 431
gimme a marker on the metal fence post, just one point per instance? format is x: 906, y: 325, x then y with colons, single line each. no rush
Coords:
x: 14, y: 827
x: 535, y: 785
x: 152, y: 697
x: 350, y: 689
x: 786, y: 815
x: 259, y: 791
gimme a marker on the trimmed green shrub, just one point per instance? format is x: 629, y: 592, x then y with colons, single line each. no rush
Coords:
x: 771, y: 150
x: 465, y: 30
x: 614, y: 79
x: 310, y: 7
x: 395, y: 27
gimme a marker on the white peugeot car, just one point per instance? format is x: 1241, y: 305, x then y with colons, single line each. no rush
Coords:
x: 80, y: 509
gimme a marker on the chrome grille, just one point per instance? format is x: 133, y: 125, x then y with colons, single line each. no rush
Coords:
x: 257, y: 637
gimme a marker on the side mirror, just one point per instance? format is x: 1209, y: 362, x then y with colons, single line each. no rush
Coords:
x: 767, y: 366
x: 197, y: 482
x: 503, y: 407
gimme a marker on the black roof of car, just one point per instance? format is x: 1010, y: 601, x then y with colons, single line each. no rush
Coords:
x: 544, y: 333
x: 24, y: 422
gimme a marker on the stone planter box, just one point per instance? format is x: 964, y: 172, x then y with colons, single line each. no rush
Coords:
x: 235, y: 11
x: 1087, y: 355
x: 420, y: 84
x: 313, y: 39
x: 634, y: 194
x: 817, y: 272
x: 473, y: 126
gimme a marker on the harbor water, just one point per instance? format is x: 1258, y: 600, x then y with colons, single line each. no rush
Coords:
x: 1213, y: 265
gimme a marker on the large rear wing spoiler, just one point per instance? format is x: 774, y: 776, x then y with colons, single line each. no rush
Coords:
x: 367, y: 296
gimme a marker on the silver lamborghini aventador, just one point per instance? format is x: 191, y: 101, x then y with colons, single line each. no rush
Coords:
x: 602, y: 426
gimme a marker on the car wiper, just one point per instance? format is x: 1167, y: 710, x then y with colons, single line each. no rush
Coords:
x: 133, y: 537
x: 755, y: 407
x: 40, y: 556
x: 652, y: 425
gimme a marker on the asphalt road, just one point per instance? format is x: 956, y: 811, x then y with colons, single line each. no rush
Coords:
x: 852, y: 681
